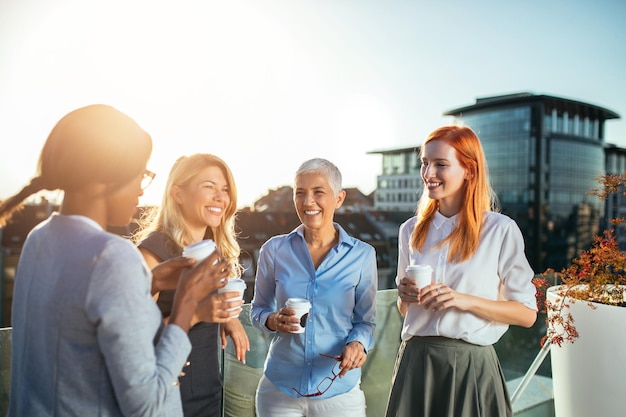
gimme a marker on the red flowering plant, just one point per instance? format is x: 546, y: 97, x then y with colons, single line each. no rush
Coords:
x: 597, y: 275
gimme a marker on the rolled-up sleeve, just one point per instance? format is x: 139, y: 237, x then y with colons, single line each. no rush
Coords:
x: 514, y: 269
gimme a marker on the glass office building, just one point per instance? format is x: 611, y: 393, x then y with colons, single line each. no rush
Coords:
x: 544, y: 154
x: 616, y: 202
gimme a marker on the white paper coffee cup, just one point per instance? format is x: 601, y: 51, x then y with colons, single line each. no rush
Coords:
x: 422, y: 274
x: 199, y: 250
x: 234, y: 284
x: 302, y: 307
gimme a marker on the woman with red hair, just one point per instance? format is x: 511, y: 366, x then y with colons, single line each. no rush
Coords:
x: 446, y: 365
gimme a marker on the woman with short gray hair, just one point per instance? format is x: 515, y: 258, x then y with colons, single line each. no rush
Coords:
x: 313, y: 368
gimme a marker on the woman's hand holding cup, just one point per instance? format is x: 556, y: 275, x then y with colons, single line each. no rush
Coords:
x: 195, y: 285
x: 286, y: 320
x: 292, y: 318
x: 210, y: 274
x: 408, y: 290
x: 418, y: 277
x: 219, y: 307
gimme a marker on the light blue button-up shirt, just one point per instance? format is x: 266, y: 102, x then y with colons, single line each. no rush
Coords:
x: 342, y: 292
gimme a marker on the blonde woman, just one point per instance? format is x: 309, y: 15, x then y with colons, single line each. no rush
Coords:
x: 199, y: 203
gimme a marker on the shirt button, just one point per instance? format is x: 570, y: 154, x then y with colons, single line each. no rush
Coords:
x: 309, y: 342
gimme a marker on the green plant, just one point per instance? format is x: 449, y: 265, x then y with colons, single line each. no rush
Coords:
x: 597, y: 275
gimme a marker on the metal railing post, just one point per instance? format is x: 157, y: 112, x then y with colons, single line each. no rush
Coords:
x: 532, y: 370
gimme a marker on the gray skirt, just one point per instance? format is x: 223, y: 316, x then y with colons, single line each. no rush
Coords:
x: 441, y: 377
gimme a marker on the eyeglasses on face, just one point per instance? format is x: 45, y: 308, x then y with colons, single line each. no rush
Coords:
x: 325, y: 383
x: 147, y: 178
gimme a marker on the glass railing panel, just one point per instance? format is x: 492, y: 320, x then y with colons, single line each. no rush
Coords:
x: 516, y: 350
x: 240, y: 381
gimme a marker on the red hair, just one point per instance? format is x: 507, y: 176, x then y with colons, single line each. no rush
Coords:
x: 478, y: 195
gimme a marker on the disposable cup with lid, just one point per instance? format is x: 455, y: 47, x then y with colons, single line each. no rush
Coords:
x: 422, y: 274
x: 234, y: 284
x: 199, y: 250
x: 302, y: 307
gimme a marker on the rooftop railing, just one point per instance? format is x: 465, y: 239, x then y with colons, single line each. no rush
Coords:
x: 240, y: 380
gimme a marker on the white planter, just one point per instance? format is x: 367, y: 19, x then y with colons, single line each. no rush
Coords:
x: 589, y: 375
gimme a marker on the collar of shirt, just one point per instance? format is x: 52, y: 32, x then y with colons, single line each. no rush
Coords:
x: 439, y: 220
x: 78, y: 217
x: 344, y: 237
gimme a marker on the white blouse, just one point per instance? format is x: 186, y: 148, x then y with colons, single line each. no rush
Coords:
x: 498, y: 270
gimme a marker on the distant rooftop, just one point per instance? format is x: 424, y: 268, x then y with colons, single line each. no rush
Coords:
x: 561, y: 103
x: 392, y: 151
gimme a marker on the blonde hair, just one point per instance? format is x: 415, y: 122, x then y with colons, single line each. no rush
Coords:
x: 478, y: 196
x: 169, y: 219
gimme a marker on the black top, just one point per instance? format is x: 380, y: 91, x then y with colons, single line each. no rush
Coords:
x: 201, y: 393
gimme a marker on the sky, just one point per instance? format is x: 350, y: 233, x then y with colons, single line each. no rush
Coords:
x: 268, y: 84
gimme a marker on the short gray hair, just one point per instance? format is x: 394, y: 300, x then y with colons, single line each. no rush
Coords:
x: 323, y: 167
